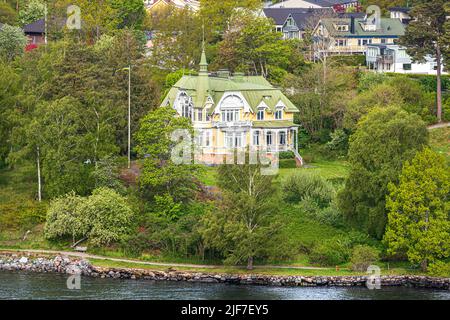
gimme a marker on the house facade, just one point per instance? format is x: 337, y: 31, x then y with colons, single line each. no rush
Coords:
x: 352, y: 35
x: 394, y: 58
x: 337, y: 4
x: 155, y: 5
x: 232, y: 112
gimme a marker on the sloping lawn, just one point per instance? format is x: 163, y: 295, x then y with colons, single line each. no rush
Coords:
x: 440, y: 141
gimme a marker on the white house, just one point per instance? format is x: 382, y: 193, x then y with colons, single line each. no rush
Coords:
x: 401, y: 13
x: 315, y: 4
x: 394, y: 58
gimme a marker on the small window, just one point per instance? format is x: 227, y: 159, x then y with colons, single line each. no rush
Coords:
x: 256, y: 138
x: 200, y: 115
x: 269, y: 138
x: 282, y: 138
x: 260, y: 115
x: 407, y: 66
x: 279, y: 114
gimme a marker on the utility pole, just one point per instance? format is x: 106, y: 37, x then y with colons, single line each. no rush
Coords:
x: 39, y: 174
x: 45, y: 22
x: 129, y: 117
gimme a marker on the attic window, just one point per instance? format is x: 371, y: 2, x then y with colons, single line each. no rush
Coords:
x: 267, y: 97
x: 341, y: 27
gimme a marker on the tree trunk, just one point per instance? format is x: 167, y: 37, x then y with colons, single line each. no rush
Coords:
x: 38, y: 162
x: 424, y: 265
x: 250, y: 263
x: 439, y: 83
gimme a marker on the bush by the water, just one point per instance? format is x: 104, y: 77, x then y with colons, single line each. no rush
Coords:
x: 306, y: 185
x: 439, y: 269
x: 331, y: 252
x: 363, y: 256
x: 103, y: 218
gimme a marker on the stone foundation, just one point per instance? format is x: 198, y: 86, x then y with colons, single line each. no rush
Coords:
x: 14, y: 262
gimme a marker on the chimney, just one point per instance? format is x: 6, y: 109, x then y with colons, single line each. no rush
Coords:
x: 352, y: 25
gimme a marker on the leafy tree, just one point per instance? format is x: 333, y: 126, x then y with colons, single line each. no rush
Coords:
x: 362, y: 257
x: 64, y: 218
x: 110, y: 217
x: 12, y: 42
x: 9, y: 91
x: 33, y: 11
x: 383, y: 141
x: 246, y: 226
x: 426, y: 35
x: 322, y: 96
x: 178, y: 41
x: 418, y: 218
x: 250, y: 44
x: 160, y: 175
x: 7, y: 14
x: 131, y: 13
x: 218, y: 13
x: 103, y: 218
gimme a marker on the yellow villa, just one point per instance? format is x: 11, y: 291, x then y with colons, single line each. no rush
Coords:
x: 231, y: 112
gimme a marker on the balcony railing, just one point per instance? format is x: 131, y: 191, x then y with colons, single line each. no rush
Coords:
x: 385, y: 59
x: 235, y: 124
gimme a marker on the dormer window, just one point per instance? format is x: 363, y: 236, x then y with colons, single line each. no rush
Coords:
x: 260, y: 115
x: 279, y: 114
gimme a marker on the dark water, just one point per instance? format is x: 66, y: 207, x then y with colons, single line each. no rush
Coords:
x: 53, y: 286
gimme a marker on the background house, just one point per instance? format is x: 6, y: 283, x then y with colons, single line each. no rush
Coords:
x: 352, y: 35
x: 394, y: 58
x: 338, y: 5
x: 401, y: 13
x: 181, y: 4
x: 35, y: 32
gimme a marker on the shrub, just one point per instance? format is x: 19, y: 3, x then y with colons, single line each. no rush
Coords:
x: 332, y: 252
x: 439, y: 269
x: 304, y: 185
x: 288, y: 164
x: 363, y: 256
x: 286, y: 155
x: 104, y: 217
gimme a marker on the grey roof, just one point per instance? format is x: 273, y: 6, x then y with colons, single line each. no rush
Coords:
x: 35, y: 27
x: 400, y: 9
x: 329, y: 3
x: 279, y: 15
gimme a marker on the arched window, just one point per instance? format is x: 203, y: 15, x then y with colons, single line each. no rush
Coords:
x: 185, y: 106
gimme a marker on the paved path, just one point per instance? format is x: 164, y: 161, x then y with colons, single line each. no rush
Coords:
x: 161, y: 264
x: 439, y: 125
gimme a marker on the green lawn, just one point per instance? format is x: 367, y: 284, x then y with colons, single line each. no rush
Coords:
x: 440, y: 141
x: 332, y: 170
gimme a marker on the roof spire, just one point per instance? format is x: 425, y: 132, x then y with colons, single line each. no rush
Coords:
x: 203, y: 61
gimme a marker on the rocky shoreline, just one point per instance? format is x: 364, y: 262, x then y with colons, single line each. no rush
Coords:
x: 66, y: 265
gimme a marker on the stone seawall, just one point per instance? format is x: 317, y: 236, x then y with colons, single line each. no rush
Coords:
x: 59, y: 264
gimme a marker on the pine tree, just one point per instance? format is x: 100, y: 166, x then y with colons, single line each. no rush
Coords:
x: 419, y: 210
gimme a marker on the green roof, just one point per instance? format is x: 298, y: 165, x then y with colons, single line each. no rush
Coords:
x: 388, y: 27
x: 254, y: 89
x: 274, y: 124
